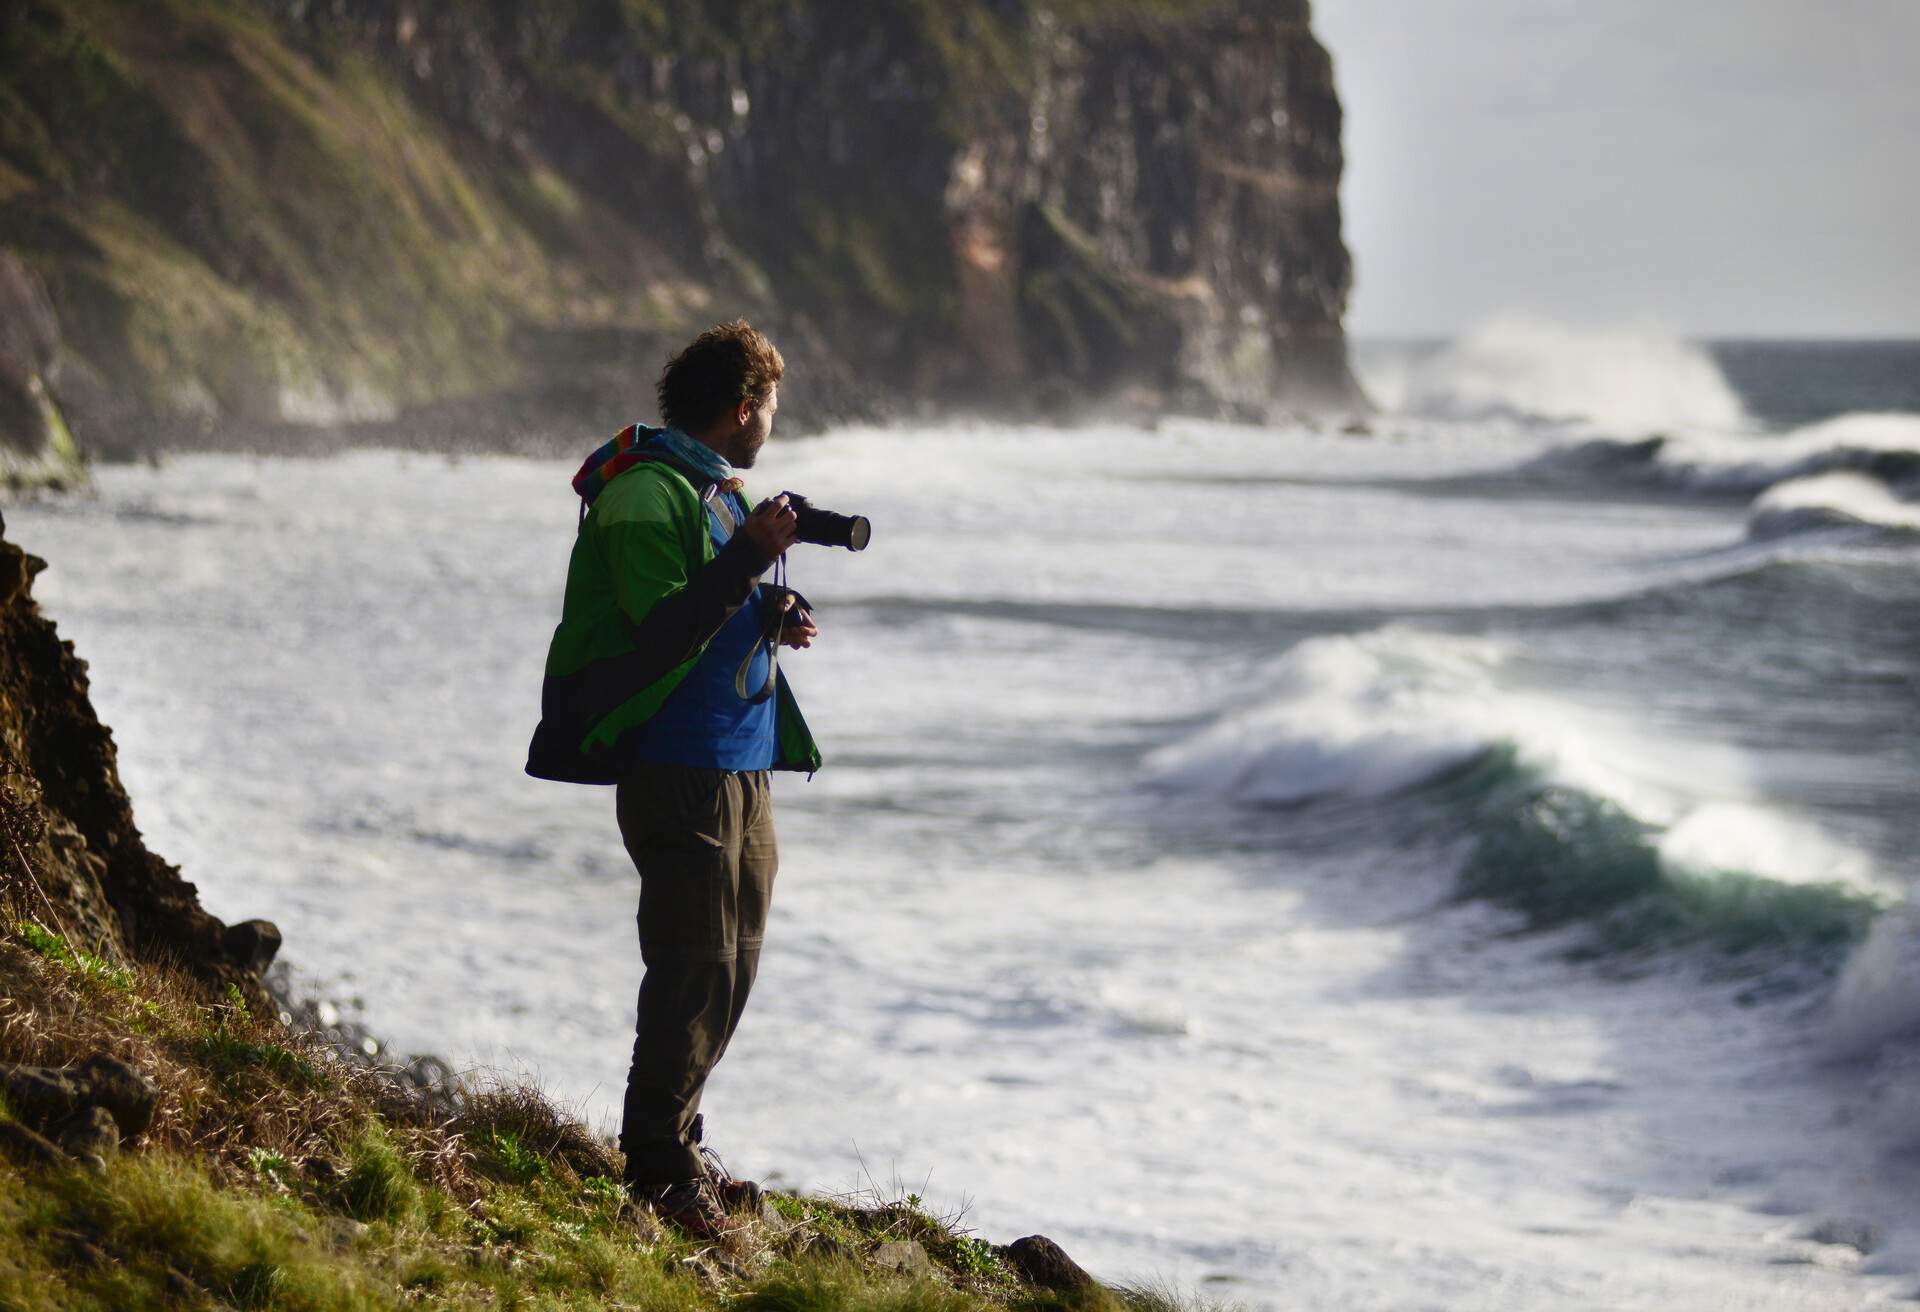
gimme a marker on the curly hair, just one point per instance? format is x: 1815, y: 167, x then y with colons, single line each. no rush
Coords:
x: 723, y: 366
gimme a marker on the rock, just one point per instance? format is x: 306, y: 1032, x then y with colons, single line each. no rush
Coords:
x: 16, y: 572
x: 345, y: 1232
x: 252, y: 944
x: 428, y: 1072
x: 29, y: 329
x: 905, y: 1256
x: 1356, y: 428
x: 819, y: 1245
x: 43, y: 1094
x: 91, y: 1136
x: 29, y: 354
x: 123, y: 1090
x: 27, y: 1147
x: 1139, y: 195
x: 1042, y: 1262
x: 48, y: 1095
x: 113, y: 897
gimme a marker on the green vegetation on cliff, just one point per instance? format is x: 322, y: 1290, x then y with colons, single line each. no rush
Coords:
x: 269, y: 211
x: 229, y: 226
x: 274, y: 1175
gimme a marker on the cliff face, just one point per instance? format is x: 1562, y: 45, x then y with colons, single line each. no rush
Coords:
x: 35, y: 444
x: 324, y: 211
x: 1188, y: 171
x: 70, y: 856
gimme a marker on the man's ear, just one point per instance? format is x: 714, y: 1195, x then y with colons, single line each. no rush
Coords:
x: 743, y: 413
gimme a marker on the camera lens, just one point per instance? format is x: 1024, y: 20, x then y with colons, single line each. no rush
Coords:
x: 825, y: 528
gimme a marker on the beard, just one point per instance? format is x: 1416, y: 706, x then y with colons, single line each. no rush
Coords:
x: 746, y: 446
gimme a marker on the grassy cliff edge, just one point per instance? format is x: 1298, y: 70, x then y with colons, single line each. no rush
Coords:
x: 275, y: 1175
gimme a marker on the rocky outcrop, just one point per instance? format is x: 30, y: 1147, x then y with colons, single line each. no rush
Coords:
x: 35, y: 444
x: 1164, y: 211
x: 85, y: 1111
x: 1042, y: 1262
x: 70, y: 856
x: 352, y: 211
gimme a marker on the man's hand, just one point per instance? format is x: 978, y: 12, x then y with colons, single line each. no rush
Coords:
x: 773, y: 526
x: 798, y: 630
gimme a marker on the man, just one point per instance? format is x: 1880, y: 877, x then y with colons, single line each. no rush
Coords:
x: 663, y: 679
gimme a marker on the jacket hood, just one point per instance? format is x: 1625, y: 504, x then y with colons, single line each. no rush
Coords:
x: 612, y: 459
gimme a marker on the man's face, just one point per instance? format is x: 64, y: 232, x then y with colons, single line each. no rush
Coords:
x: 753, y: 433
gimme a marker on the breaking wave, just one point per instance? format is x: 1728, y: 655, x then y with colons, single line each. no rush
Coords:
x: 1885, y: 447
x: 1565, y: 815
x: 1618, y: 380
x: 1831, y: 501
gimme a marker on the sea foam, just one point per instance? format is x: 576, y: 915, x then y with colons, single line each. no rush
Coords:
x: 1621, y: 380
x: 1885, y: 446
x: 1386, y: 712
x: 1837, y: 500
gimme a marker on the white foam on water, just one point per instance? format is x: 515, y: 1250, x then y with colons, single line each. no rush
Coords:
x: 1829, y: 501
x: 1714, y: 461
x: 1355, y: 716
x: 1213, y: 516
x: 987, y: 961
x: 1372, y: 714
x: 1878, y: 996
x: 1745, y: 836
x: 1623, y: 379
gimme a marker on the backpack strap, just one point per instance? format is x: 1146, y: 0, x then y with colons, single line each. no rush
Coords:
x: 722, y: 507
x: 716, y: 499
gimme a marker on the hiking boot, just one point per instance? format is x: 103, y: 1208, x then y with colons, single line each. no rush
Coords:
x: 689, y: 1204
x: 735, y: 1195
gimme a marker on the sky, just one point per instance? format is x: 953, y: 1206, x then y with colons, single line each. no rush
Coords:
x: 1705, y: 167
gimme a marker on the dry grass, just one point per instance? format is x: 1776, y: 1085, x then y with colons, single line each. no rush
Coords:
x: 516, y: 1133
x: 232, y: 1084
x: 277, y: 1174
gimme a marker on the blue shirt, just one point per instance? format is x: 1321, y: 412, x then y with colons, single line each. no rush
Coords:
x: 705, y: 722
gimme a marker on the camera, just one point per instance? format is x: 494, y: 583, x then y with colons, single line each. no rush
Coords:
x: 826, y: 529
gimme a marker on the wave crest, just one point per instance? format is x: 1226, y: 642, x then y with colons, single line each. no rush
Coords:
x: 1358, y: 716
x: 1568, y: 816
x: 1830, y: 501
x: 1621, y: 380
x: 1883, y: 446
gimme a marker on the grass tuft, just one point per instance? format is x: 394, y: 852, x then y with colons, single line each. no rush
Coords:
x: 516, y: 1133
x: 54, y: 948
x: 378, y: 1186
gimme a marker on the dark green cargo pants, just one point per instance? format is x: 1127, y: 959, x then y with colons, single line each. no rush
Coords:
x: 703, y: 843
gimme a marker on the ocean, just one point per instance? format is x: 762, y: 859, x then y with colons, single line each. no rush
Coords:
x: 1456, y: 859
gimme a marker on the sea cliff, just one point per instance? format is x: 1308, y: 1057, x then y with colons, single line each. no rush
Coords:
x: 72, y: 858
x: 484, y: 223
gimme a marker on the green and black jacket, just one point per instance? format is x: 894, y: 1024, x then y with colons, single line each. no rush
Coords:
x: 646, y: 592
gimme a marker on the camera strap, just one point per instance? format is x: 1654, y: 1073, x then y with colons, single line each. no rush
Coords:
x: 773, y: 618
